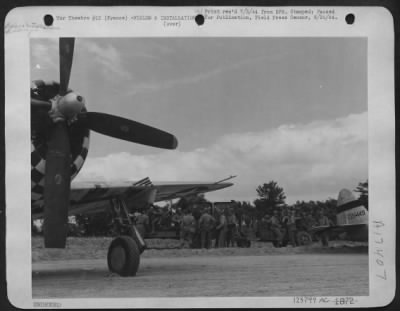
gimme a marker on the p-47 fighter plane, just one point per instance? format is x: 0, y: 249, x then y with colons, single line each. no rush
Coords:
x: 60, y: 127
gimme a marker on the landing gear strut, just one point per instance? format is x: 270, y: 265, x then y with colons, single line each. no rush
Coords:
x: 124, y: 252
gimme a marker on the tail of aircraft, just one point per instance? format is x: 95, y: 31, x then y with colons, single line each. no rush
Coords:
x: 352, y: 216
x: 350, y: 211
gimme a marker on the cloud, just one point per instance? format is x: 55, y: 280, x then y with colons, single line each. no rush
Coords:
x: 107, y: 57
x: 310, y: 161
x: 146, y: 87
x: 44, y: 58
x: 150, y: 49
x: 44, y: 52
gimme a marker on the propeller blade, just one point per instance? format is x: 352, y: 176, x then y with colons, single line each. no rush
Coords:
x: 128, y: 130
x: 66, y: 55
x: 57, y: 187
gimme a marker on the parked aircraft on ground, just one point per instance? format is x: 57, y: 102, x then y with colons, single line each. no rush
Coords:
x: 60, y: 127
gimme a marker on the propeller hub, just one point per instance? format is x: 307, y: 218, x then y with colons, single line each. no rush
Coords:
x: 67, y: 107
x: 71, y: 104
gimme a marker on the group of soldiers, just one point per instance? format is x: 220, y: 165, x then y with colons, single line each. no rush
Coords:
x: 148, y: 220
x: 200, y: 224
x: 196, y: 226
x: 290, y: 221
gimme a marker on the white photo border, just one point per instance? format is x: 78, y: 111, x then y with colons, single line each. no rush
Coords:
x: 373, y: 23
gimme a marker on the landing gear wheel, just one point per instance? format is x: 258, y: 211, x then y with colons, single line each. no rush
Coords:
x: 123, y: 256
x: 304, y: 238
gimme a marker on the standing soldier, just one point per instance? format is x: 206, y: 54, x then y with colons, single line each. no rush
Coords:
x: 222, y: 229
x: 197, y: 211
x: 177, y: 220
x: 247, y: 220
x: 142, y: 223
x: 231, y: 227
x: 188, y: 228
x: 291, y: 227
x: 206, y: 225
x: 155, y: 216
x: 217, y: 214
x: 276, y: 228
x: 323, y: 221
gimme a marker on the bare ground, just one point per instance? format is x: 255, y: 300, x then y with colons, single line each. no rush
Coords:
x: 263, y: 271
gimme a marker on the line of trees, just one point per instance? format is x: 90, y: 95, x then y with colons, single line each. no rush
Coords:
x: 271, y: 196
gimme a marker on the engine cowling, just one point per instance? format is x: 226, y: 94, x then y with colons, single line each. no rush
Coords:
x: 41, y: 123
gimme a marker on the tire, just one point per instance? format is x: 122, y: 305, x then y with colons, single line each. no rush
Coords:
x: 123, y: 256
x: 304, y: 238
x: 275, y: 243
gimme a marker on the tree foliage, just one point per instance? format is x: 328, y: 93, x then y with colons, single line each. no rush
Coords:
x: 271, y: 196
x: 311, y: 207
x: 272, y: 193
x: 190, y: 201
x: 362, y: 189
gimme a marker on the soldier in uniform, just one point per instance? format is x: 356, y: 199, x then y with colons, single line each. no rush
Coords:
x: 188, y: 228
x: 177, y: 220
x: 323, y: 221
x: 142, y: 223
x: 231, y: 227
x: 155, y: 214
x: 276, y: 227
x: 222, y: 229
x: 206, y: 225
x: 291, y: 227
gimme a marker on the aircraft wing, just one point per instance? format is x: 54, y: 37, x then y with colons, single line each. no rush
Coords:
x: 170, y: 191
x: 94, y: 197
x: 335, y: 229
x: 320, y: 229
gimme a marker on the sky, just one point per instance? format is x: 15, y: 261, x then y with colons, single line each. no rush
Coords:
x: 292, y: 110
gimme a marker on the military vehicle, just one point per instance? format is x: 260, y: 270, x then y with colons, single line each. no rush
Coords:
x: 265, y: 234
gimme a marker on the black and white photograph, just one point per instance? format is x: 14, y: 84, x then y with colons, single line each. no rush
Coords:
x: 204, y: 166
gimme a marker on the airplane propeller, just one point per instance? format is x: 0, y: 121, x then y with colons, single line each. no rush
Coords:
x: 70, y: 106
x: 66, y: 50
x: 128, y: 130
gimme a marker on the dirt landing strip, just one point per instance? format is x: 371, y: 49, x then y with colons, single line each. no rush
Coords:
x: 268, y: 275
